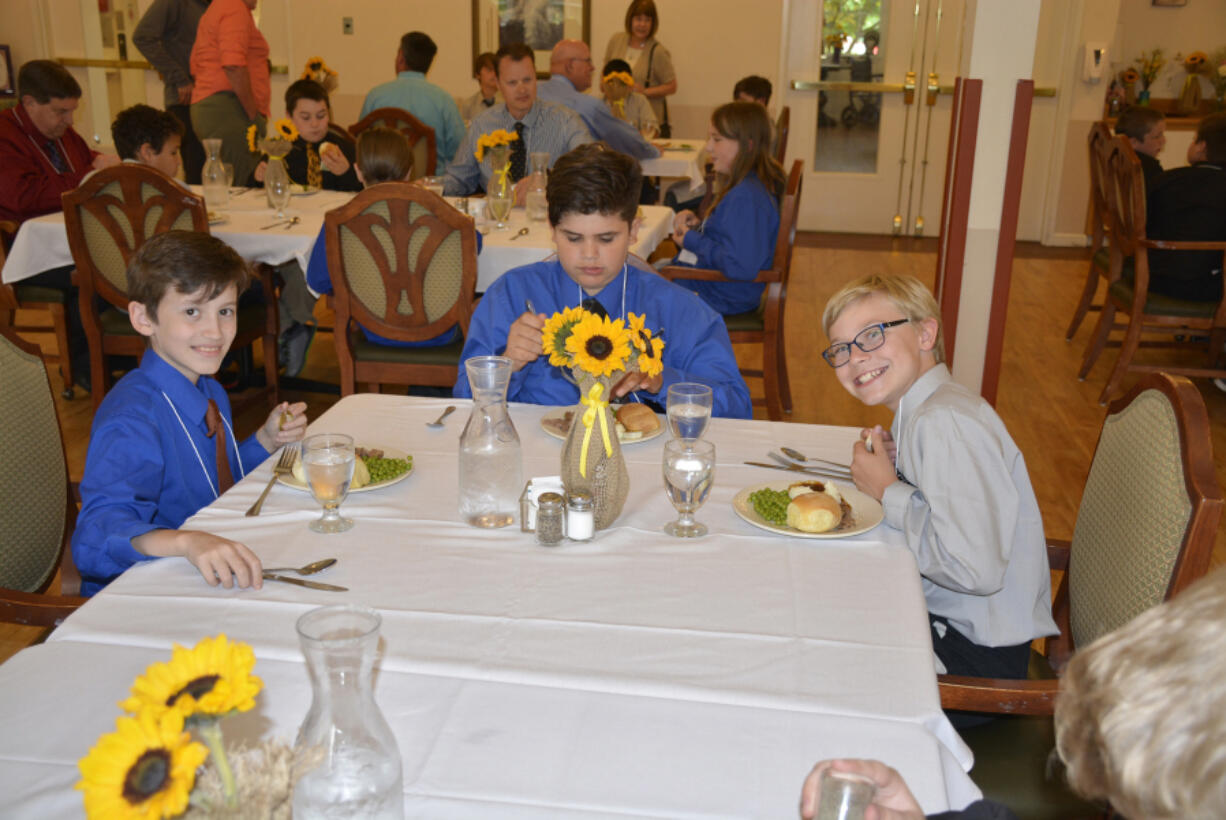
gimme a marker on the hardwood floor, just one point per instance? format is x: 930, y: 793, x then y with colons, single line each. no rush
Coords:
x: 1054, y: 418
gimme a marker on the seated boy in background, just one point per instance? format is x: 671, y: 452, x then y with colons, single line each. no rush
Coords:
x: 1189, y: 204
x: 948, y: 475
x: 753, y: 89
x: 593, y: 196
x: 162, y: 444
x: 151, y: 137
x: 384, y: 155
x: 320, y: 157
x: 1145, y: 128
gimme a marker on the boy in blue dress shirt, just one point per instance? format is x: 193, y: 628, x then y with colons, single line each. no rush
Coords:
x: 162, y: 445
x: 593, y: 196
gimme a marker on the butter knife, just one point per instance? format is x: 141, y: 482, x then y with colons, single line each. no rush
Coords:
x: 818, y: 473
x: 268, y: 576
x: 829, y: 467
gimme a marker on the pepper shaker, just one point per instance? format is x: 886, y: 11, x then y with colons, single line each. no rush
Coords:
x: 550, y: 509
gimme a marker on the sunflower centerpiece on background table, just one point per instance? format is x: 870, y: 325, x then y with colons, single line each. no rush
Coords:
x: 276, y: 144
x: 599, y: 352
x: 316, y: 69
x: 148, y: 767
x: 498, y: 143
x: 1195, y: 64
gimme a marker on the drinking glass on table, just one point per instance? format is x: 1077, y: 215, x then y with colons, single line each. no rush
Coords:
x: 434, y: 184
x: 689, y: 470
x: 499, y: 208
x: 278, y: 190
x: 328, y: 459
x: 689, y: 410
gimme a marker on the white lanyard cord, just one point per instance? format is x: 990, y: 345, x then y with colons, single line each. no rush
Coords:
x: 205, y: 469
x: 59, y: 145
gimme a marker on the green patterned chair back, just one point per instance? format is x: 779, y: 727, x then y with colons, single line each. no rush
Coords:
x: 111, y: 215
x: 1133, y: 520
x: 422, y: 139
x: 33, y: 476
x: 405, y: 261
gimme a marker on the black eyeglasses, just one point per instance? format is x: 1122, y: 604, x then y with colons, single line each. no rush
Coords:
x: 871, y: 338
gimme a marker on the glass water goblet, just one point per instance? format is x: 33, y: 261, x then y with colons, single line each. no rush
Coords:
x: 689, y: 470
x: 689, y: 410
x: 278, y: 190
x: 328, y: 459
x: 499, y: 208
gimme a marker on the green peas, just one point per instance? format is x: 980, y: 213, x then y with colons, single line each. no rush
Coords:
x: 772, y: 505
x: 385, y: 469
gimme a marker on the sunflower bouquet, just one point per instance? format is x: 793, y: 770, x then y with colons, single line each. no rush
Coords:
x: 598, y: 352
x: 277, y: 142
x: 1216, y: 72
x: 316, y: 69
x: 149, y: 766
x: 1148, y: 66
x: 498, y: 143
x: 1195, y: 64
x: 617, y: 86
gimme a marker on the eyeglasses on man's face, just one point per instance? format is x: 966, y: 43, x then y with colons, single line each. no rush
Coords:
x: 871, y: 338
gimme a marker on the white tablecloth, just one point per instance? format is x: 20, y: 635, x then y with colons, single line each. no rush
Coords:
x: 42, y: 243
x: 635, y: 675
x: 679, y: 158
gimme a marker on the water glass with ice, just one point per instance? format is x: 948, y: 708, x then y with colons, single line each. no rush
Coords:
x: 844, y: 796
x: 328, y: 460
x: 689, y: 470
x: 689, y: 410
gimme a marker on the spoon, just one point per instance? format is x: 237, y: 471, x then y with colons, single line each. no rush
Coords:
x: 309, y: 569
x: 294, y: 221
x: 522, y: 232
x: 438, y: 422
x: 797, y: 456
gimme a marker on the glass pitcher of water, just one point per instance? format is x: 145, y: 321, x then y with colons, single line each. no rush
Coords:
x: 535, y: 201
x: 491, y: 467
x: 213, y: 176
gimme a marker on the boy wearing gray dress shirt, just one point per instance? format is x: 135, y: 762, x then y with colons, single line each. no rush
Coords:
x: 948, y: 475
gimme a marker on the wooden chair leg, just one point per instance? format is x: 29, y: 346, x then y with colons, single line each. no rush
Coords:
x: 785, y: 388
x: 270, y: 367
x: 1098, y: 341
x: 59, y: 324
x: 1132, y: 338
x: 1083, y: 306
x: 770, y: 379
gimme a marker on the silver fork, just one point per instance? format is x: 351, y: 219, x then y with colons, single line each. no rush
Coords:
x: 284, y: 466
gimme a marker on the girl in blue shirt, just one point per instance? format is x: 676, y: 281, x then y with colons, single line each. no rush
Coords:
x: 737, y: 238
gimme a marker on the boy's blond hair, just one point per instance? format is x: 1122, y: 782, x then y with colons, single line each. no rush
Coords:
x: 908, y: 294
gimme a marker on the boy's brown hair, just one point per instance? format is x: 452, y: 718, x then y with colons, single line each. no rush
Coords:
x: 384, y: 155
x: 594, y: 179
x: 907, y: 293
x: 1136, y: 121
x: 188, y: 261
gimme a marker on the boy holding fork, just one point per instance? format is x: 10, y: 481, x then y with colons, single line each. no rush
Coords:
x: 162, y: 444
x: 948, y: 475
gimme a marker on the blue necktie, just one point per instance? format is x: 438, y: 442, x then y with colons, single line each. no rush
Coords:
x: 57, y: 159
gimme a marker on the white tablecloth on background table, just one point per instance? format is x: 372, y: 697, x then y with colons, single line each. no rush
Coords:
x: 42, y: 243
x: 679, y: 158
x: 634, y: 675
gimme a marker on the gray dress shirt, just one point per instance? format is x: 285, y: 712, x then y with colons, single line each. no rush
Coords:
x: 969, y: 513
x: 547, y: 127
x: 165, y: 35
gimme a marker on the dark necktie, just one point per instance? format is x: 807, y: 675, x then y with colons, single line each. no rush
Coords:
x: 488, y: 103
x: 57, y: 159
x: 592, y: 305
x: 519, y: 154
x: 217, y: 432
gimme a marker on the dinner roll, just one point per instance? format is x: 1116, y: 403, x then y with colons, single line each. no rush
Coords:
x: 814, y: 512
x: 637, y: 418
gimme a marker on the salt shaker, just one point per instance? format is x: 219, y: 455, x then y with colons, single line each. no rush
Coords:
x: 580, y: 518
x: 550, y: 509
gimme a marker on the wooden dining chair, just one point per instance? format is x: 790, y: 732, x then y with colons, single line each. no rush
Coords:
x: 1099, y: 144
x: 403, y: 265
x: 421, y: 137
x: 39, y: 508
x: 781, y: 134
x: 765, y: 325
x: 108, y: 218
x: 24, y: 296
x: 1187, y: 323
x: 1145, y: 531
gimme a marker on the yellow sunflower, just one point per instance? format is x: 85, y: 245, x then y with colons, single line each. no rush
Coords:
x: 557, y: 330
x: 251, y: 137
x: 651, y: 361
x: 286, y: 129
x: 598, y: 345
x: 144, y: 769
x: 640, y: 334
x: 209, y: 680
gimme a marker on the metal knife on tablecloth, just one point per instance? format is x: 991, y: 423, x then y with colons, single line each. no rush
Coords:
x: 268, y: 576
x: 795, y: 469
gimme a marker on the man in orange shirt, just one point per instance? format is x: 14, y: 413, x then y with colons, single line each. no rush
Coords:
x: 230, y: 68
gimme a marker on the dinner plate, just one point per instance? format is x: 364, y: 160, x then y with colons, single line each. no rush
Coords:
x: 866, y: 511
x: 388, y: 452
x: 216, y: 218
x: 301, y: 190
x: 559, y: 413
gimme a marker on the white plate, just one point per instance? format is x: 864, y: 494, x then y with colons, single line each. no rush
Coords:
x: 866, y: 511
x: 301, y: 190
x: 388, y: 452
x: 558, y: 413
x: 216, y: 218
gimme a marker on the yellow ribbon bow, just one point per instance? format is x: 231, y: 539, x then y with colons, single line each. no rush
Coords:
x: 595, y: 405
x: 501, y: 173
x: 619, y: 109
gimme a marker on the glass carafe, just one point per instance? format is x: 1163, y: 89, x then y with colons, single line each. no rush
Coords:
x: 213, y: 176
x: 353, y: 764
x: 491, y: 469
x: 535, y: 201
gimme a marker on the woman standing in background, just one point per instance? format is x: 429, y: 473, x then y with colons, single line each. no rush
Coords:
x: 653, y: 72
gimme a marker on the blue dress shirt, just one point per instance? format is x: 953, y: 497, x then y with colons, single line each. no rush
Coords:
x: 618, y: 134
x: 426, y: 101
x: 548, y: 127
x: 696, y: 348
x: 150, y: 465
x: 737, y: 239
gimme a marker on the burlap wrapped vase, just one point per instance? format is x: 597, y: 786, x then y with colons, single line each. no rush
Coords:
x: 592, y: 455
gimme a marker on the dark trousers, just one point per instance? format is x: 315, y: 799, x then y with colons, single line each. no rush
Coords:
x: 962, y: 656
x: 190, y: 149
